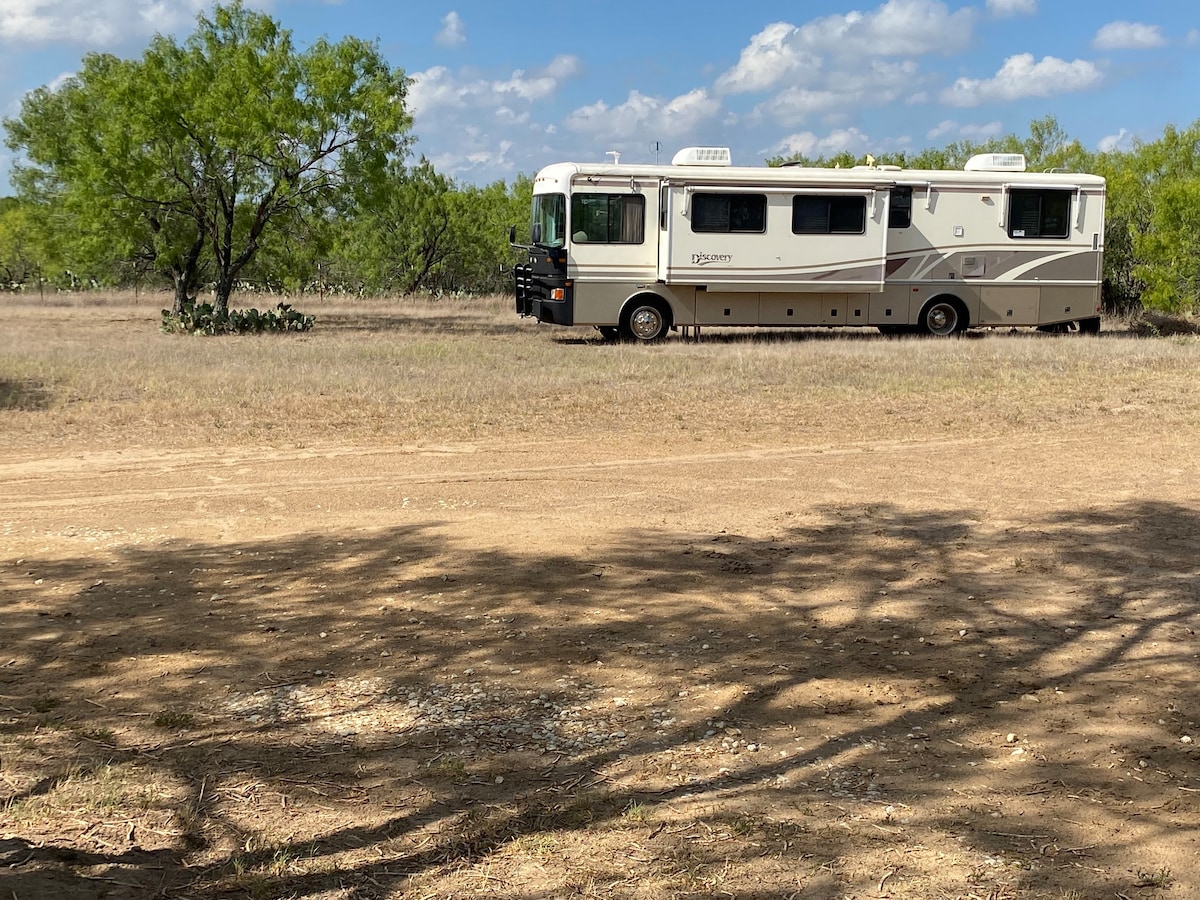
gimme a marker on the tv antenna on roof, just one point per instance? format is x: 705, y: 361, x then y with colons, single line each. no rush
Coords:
x: 655, y: 147
x: 615, y: 154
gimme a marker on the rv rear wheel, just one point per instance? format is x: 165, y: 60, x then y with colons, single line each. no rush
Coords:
x: 943, y: 317
x: 644, y: 321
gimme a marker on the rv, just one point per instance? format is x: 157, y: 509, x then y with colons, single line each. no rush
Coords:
x: 639, y: 250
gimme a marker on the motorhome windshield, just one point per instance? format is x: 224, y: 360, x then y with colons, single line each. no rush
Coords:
x: 549, y: 219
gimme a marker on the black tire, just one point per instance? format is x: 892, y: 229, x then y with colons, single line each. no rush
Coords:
x: 943, y: 317
x: 645, y: 321
x: 1089, y: 326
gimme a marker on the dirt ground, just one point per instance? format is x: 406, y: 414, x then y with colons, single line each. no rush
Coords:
x: 605, y: 667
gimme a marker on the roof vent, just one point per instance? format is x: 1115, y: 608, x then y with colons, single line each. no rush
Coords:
x: 996, y: 162
x: 703, y: 156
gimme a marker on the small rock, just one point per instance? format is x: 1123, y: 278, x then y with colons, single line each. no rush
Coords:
x: 1186, y: 739
x: 1011, y: 738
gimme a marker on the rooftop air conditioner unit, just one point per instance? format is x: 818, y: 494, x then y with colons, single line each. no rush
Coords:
x: 703, y: 156
x: 996, y: 162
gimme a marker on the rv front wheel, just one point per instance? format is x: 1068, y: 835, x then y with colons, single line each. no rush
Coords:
x: 644, y: 322
x: 943, y: 318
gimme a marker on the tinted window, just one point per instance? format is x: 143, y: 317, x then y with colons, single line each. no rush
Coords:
x: 608, y: 218
x: 729, y: 213
x: 1039, y: 213
x: 900, y: 207
x: 829, y: 214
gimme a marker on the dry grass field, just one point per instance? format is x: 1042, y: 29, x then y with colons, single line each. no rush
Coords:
x: 432, y: 602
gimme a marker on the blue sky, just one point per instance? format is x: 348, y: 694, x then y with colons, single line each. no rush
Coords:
x: 505, y: 88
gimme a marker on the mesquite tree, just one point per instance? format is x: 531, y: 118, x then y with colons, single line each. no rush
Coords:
x: 184, y: 159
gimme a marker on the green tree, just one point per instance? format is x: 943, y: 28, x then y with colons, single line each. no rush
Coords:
x: 401, y: 235
x: 190, y: 156
x: 19, y: 256
x: 481, y: 218
x: 422, y: 233
x: 1169, y: 250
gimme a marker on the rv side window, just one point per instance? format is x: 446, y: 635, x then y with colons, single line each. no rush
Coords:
x: 725, y: 213
x: 900, y: 208
x: 1036, y: 213
x: 829, y: 214
x: 608, y: 218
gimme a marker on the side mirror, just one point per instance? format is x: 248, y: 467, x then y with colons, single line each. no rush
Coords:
x: 512, y: 234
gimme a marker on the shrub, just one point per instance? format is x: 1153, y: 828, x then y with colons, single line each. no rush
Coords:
x: 205, y: 319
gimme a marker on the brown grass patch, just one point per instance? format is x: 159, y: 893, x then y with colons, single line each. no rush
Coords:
x: 432, y: 602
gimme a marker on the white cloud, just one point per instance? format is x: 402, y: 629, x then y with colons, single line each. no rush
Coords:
x: 438, y: 89
x: 877, y: 83
x: 1007, y: 8
x: 454, y: 31
x: 492, y: 158
x: 949, y: 127
x: 59, y: 80
x: 808, y: 144
x: 1122, y: 140
x: 1021, y: 77
x: 93, y: 23
x: 941, y: 129
x: 649, y: 117
x: 772, y: 55
x: 788, y: 54
x: 1128, y: 36
x: 793, y: 106
x: 981, y: 132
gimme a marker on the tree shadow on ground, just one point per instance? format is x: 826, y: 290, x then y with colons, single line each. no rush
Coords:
x: 24, y: 394
x: 422, y: 708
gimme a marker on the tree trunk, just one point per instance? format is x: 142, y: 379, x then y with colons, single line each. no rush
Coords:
x: 181, y: 293
x: 185, y: 273
x: 222, y: 290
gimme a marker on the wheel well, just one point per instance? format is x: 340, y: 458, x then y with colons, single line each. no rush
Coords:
x: 952, y: 300
x: 648, y: 297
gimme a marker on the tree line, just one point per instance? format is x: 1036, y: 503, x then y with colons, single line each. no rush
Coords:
x: 233, y: 159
